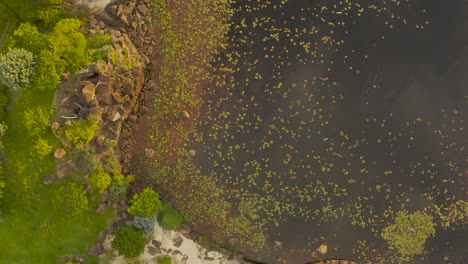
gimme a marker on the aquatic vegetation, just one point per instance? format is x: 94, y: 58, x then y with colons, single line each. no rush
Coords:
x: 409, y: 233
x: 279, y: 131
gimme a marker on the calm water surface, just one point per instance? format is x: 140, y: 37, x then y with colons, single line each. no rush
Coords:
x: 330, y: 139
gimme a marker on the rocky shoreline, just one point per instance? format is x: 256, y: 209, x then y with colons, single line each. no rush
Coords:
x: 118, y: 92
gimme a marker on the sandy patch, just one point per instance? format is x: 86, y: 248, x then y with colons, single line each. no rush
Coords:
x: 189, y: 252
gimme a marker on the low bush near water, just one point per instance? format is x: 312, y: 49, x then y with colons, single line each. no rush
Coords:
x: 129, y: 242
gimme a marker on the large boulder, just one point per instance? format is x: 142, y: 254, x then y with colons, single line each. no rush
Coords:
x: 184, y: 230
x: 151, y: 250
x: 99, y: 67
x: 88, y: 92
x: 103, y: 93
x: 63, y: 171
x: 60, y: 153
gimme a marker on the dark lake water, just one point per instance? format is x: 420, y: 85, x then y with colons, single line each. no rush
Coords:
x: 333, y: 116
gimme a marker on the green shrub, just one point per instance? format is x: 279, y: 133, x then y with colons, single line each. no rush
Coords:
x: 69, y: 43
x: 71, y: 198
x: 169, y: 217
x: 17, y: 69
x: 118, y: 191
x: 145, y: 224
x: 99, y: 41
x: 109, y: 143
x: 129, y: 242
x: 85, y: 158
x: 28, y: 37
x: 48, y: 72
x: 409, y: 233
x: 41, y: 148
x: 81, y: 132
x: 37, y: 120
x: 146, y: 203
x: 94, y: 118
x: 166, y: 260
x: 111, y: 164
x: 100, y: 179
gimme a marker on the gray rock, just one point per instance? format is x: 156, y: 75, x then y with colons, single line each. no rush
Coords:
x: 83, y: 74
x: 63, y: 171
x: 133, y: 118
x: 101, y: 208
x: 144, y: 11
x: 184, y: 230
x: 60, y: 153
x: 55, y: 126
x: 49, y: 179
x: 149, y: 153
x: 151, y: 250
x: 177, y: 241
x: 176, y: 252
x: 96, y: 250
x: 118, y: 98
x: 156, y: 243
x: 185, y: 115
x: 99, y: 67
x: 102, y: 235
x: 97, y: 110
x: 192, y: 152
x: 103, y: 93
x: 88, y: 92
x: 144, y: 110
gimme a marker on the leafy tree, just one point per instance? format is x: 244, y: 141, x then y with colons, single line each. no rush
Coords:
x: 48, y: 72
x: 169, y: 217
x: 111, y: 164
x: 129, y: 242
x: 85, y: 158
x: 71, y: 198
x: 118, y: 191
x: 17, y: 68
x: 41, y: 148
x: 409, y: 233
x: 145, y: 224
x: 69, y: 43
x: 100, y: 179
x: 81, y: 132
x: 28, y: 37
x: 146, y: 203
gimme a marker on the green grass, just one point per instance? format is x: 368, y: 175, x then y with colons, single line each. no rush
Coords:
x: 8, y: 21
x: 32, y: 230
x: 35, y: 231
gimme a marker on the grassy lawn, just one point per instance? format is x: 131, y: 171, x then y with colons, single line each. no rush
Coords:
x: 7, y: 21
x: 36, y: 231
x: 32, y: 229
